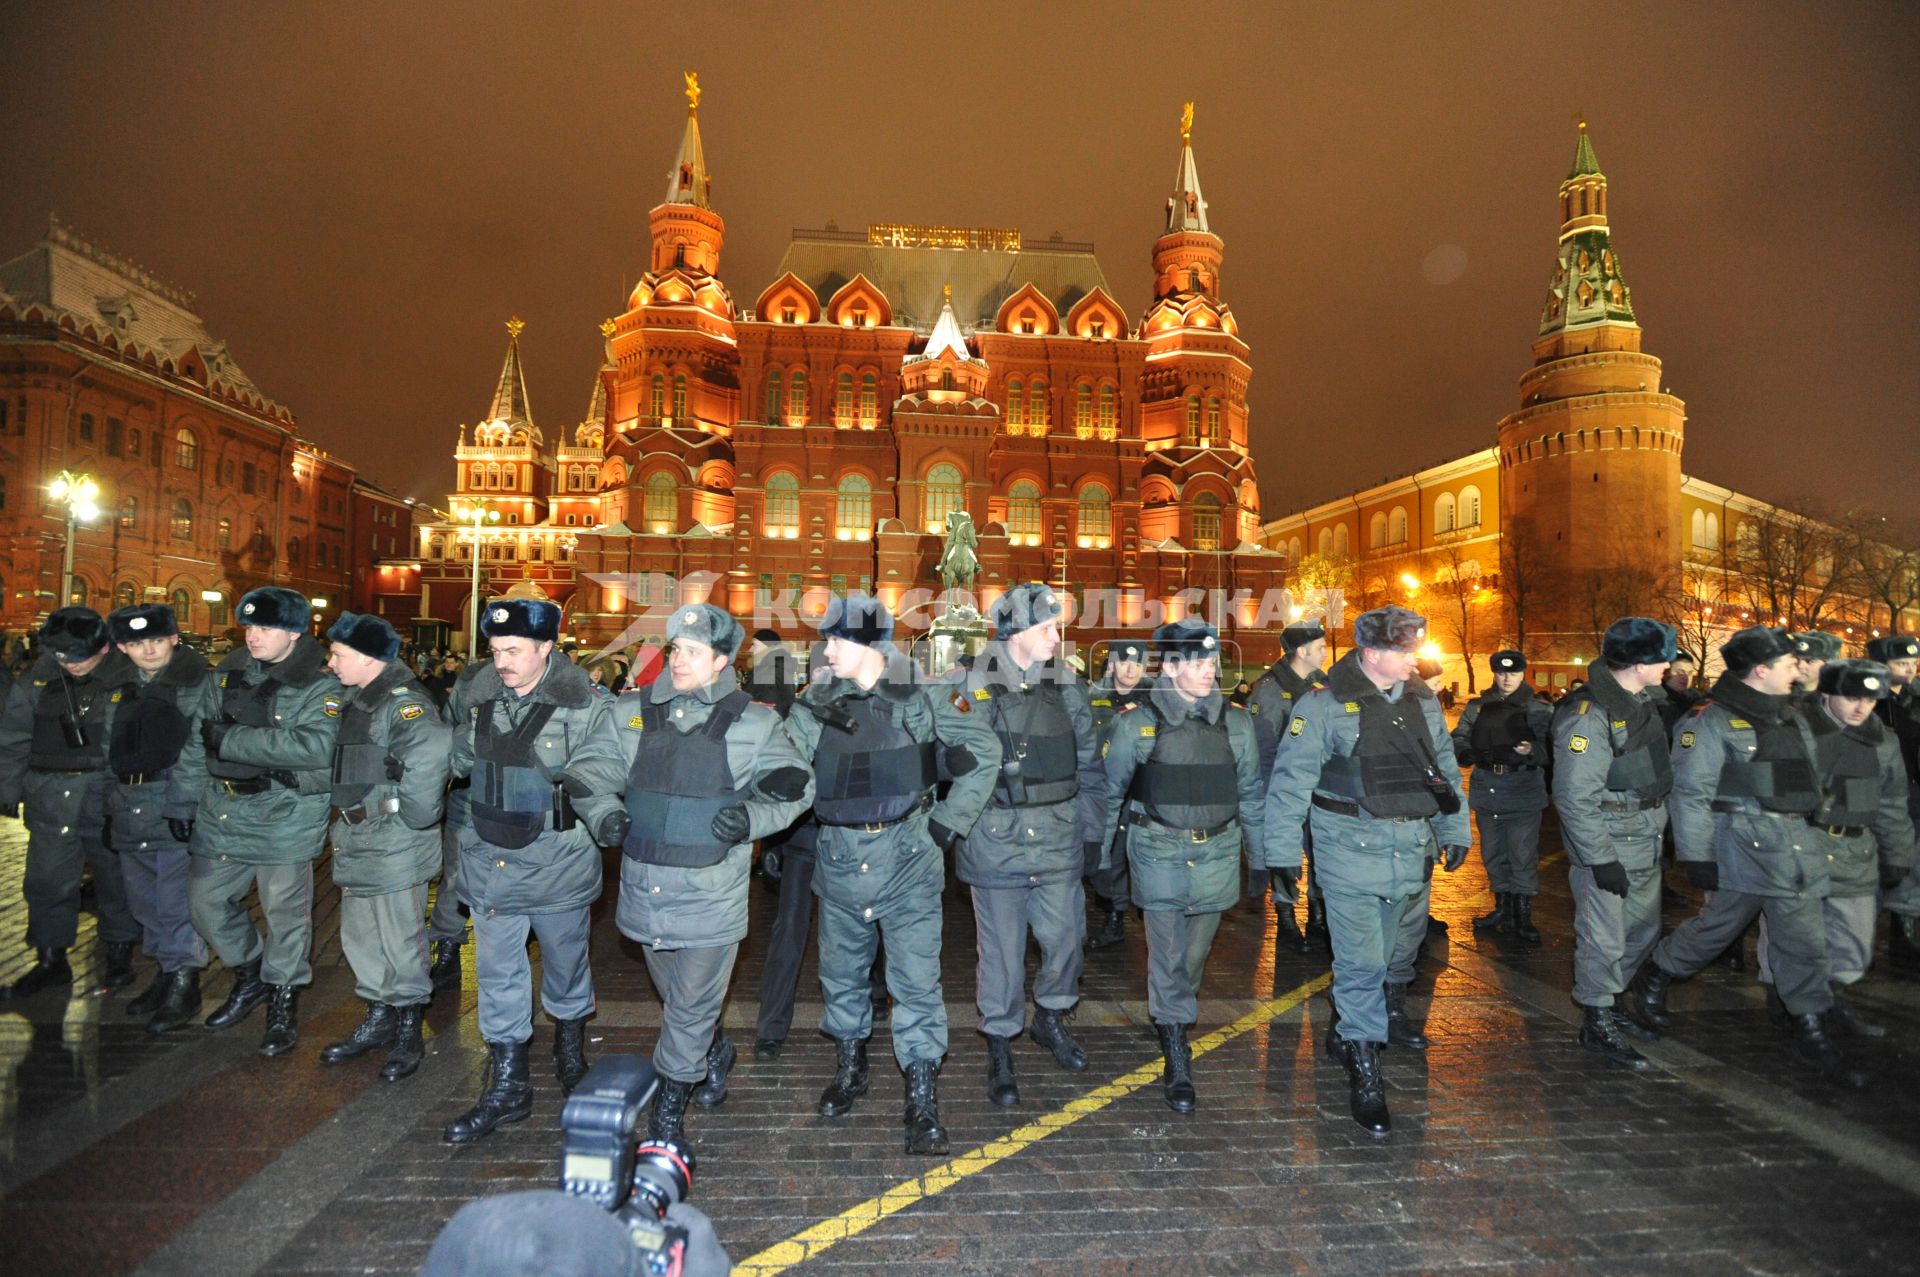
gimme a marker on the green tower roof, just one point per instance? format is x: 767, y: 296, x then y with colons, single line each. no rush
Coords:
x: 1584, y: 163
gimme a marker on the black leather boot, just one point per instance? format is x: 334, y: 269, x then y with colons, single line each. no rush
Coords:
x: 1317, y: 922
x: 247, y: 993
x: 849, y: 1078
x: 1113, y: 929
x: 148, y: 1000
x: 1903, y: 944
x: 1500, y: 919
x: 768, y: 1048
x: 1333, y: 1045
x: 1287, y: 935
x: 444, y: 973
x: 408, y: 1048
x: 283, y: 1014
x: 119, y: 972
x: 505, y: 1096
x: 1845, y: 1021
x: 1734, y: 957
x: 1049, y: 1029
x: 1401, y: 1030
x: 50, y: 970
x: 570, y: 1053
x: 1777, y: 1013
x: 1001, y: 1088
x: 375, y: 1031
x: 666, y: 1120
x: 1811, y: 1044
x: 1176, y: 1079
x: 1522, y: 909
x: 180, y: 1003
x: 1600, y: 1034
x: 1367, y: 1090
x: 1646, y: 997
x: 925, y: 1136
x: 720, y: 1057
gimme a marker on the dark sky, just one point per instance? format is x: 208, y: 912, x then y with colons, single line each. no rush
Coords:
x: 361, y: 194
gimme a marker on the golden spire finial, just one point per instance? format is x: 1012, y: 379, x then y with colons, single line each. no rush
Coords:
x: 947, y: 293
x: 607, y: 327
x: 514, y: 326
x: 1580, y: 118
x: 1186, y: 124
x: 693, y: 90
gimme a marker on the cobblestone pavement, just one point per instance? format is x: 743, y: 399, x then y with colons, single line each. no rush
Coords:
x: 1513, y: 1150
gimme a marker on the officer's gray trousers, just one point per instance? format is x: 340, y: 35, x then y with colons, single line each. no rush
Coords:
x: 1797, y: 942
x: 1612, y: 936
x: 693, y: 985
x: 1849, y: 922
x: 1375, y: 940
x: 848, y: 943
x: 448, y: 921
x: 1113, y: 886
x: 1905, y: 898
x: 1056, y: 912
x: 505, y: 973
x: 52, y: 884
x: 217, y: 889
x: 157, y: 897
x: 385, y: 940
x: 1177, y: 948
x: 1510, y: 849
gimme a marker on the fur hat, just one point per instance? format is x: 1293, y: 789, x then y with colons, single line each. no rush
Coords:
x: 367, y: 635
x: 1893, y: 647
x: 275, y: 608
x: 1508, y: 661
x: 73, y: 633
x: 536, y: 619
x: 1295, y: 637
x: 1755, y: 645
x: 1390, y: 629
x: 1023, y: 607
x: 1185, y: 640
x: 1126, y: 650
x: 139, y: 621
x: 1867, y: 680
x: 1637, y: 640
x: 767, y: 635
x: 708, y: 624
x: 1816, y: 645
x: 858, y: 618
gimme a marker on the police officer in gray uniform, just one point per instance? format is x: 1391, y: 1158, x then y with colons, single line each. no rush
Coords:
x: 873, y: 734
x: 533, y: 738
x: 1367, y: 761
x: 1184, y: 795
x: 1900, y: 712
x: 708, y: 771
x: 1025, y: 856
x: 389, y: 794
x: 1504, y: 735
x: 447, y: 920
x: 151, y: 803
x: 262, y: 822
x: 1272, y: 701
x: 1124, y: 683
x: 53, y: 755
x: 1745, y: 791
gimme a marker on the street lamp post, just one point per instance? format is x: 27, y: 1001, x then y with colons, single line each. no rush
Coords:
x: 212, y: 599
x: 319, y: 607
x: 78, y: 493
x: 478, y: 516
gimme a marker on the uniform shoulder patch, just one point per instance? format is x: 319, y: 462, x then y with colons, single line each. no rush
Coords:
x: 1297, y: 726
x: 636, y: 723
x: 959, y: 702
x: 1105, y: 745
x: 114, y: 699
x: 1619, y: 724
x: 1286, y: 696
x: 980, y: 694
x: 1582, y: 707
x: 1101, y: 700
x: 1353, y: 707
x: 331, y: 704
x: 1578, y: 744
x: 1739, y: 724
x: 1686, y: 740
x: 1253, y: 707
x: 411, y: 711
x: 1146, y: 729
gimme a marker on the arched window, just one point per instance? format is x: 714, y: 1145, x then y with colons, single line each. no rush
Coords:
x: 946, y: 491
x: 662, y: 503
x: 1293, y: 551
x: 1023, y: 513
x: 843, y: 400
x: 1213, y: 422
x: 1326, y: 543
x: 679, y: 397
x: 1443, y: 513
x: 124, y: 594
x: 293, y: 552
x: 776, y: 397
x: 1206, y: 522
x: 1713, y: 531
x: 1193, y: 419
x: 1038, y: 414
x: 1109, y: 413
x: 1083, y: 410
x: 797, y: 406
x: 1699, y: 522
x: 1342, y: 543
x: 223, y: 534
x: 437, y: 548
x: 657, y: 397
x: 1016, y: 404
x: 186, y: 449
x: 183, y: 607
x: 130, y: 513
x: 183, y: 520
x: 869, y: 401
x: 1095, y: 516
x: 1397, y: 526
x: 853, y: 510
x: 1376, y: 531
x: 783, y: 505
x: 510, y: 477
x: 1469, y: 507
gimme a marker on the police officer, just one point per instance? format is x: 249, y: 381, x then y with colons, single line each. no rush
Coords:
x: 871, y: 733
x: 1676, y: 689
x: 1611, y: 776
x: 447, y: 920
x: 1272, y: 701
x: 53, y: 756
x: 262, y: 820
x: 1024, y: 858
x: 389, y: 794
x: 1503, y: 734
x: 1369, y: 752
x: 544, y: 772
x: 1900, y: 653
x: 1123, y: 684
x: 1184, y: 784
x: 151, y: 804
x: 1745, y: 790
x: 708, y: 770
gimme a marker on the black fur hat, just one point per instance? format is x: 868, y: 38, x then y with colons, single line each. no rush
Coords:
x: 276, y: 608
x: 706, y: 623
x: 1637, y: 640
x: 1185, y: 640
x: 1023, y: 607
x: 1816, y: 645
x: 536, y: 619
x: 1508, y: 661
x: 1867, y: 680
x: 1390, y: 629
x: 1126, y: 650
x: 858, y: 618
x: 1755, y: 645
x: 1893, y: 647
x: 1295, y: 637
x: 367, y: 635
x: 142, y: 621
x: 73, y: 633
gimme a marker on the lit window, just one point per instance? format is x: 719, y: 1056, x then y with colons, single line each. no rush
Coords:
x: 679, y: 396
x: 1083, y: 411
x: 1016, y: 405
x: 223, y: 534
x: 797, y: 398
x: 1023, y: 513
x: 1193, y: 419
x: 657, y: 398
x: 1213, y: 422
x: 1109, y: 421
x: 853, y: 509
x: 843, y: 400
x: 662, y: 504
x: 1037, y: 414
x: 183, y: 520
x: 186, y: 449
x: 783, y: 505
x: 1206, y: 522
x: 776, y: 397
x: 946, y: 491
x: 869, y: 402
x: 1096, y: 516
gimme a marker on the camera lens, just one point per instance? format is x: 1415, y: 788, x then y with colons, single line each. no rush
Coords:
x: 662, y: 1175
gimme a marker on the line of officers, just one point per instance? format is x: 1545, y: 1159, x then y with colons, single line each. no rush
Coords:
x: 188, y: 788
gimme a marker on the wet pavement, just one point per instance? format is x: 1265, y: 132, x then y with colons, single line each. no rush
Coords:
x: 1513, y: 1150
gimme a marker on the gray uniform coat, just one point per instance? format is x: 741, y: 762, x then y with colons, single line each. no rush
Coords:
x: 398, y: 845
x: 1596, y: 825
x: 1760, y: 853
x: 140, y: 812
x: 1855, y: 860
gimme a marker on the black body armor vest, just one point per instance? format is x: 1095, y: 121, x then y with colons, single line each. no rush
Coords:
x: 1190, y: 780
x: 359, y: 759
x: 1388, y: 772
x: 249, y: 707
x: 678, y: 783
x: 511, y: 794
x: 1778, y: 774
x: 1849, y: 762
x: 876, y: 773
x: 150, y: 731
x: 1497, y: 728
x: 70, y: 724
x: 1040, y: 757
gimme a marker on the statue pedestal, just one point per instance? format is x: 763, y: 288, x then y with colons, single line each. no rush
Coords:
x: 960, y: 631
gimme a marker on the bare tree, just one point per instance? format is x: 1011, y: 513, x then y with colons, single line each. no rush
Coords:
x: 1793, y: 569
x: 1525, y: 578
x: 1700, y: 610
x: 1460, y: 592
x: 1622, y: 583
x: 1886, y: 565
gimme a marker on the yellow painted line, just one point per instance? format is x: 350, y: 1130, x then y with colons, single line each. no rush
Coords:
x: 809, y: 1242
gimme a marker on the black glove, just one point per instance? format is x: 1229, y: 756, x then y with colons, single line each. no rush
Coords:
x: 106, y: 833
x: 947, y: 839
x: 283, y: 778
x: 614, y: 827
x: 1285, y: 887
x: 11, y: 811
x: 213, y: 731
x: 1451, y: 858
x: 1611, y: 876
x: 1256, y: 883
x: 770, y: 864
x: 1704, y: 874
x: 731, y: 824
x: 182, y: 830
x: 1892, y: 876
x: 1090, y: 858
x: 396, y: 770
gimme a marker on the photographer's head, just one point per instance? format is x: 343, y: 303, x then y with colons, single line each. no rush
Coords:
x: 543, y: 1233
